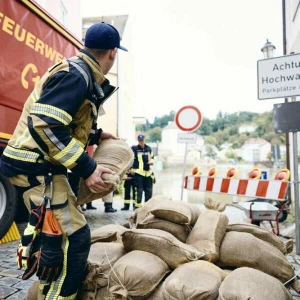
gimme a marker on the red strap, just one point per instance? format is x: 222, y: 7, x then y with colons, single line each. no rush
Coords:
x: 20, y: 258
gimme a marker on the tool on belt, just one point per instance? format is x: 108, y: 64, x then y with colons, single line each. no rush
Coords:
x: 40, y: 250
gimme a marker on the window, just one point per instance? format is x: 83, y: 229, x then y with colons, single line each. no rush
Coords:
x: 63, y: 13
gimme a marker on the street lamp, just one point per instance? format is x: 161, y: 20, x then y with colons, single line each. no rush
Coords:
x: 268, y: 49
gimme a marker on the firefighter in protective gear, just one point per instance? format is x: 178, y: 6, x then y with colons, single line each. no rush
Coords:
x: 57, y: 123
x: 141, y: 171
x: 128, y: 190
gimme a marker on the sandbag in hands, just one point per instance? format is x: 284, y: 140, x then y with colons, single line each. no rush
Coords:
x: 115, y: 155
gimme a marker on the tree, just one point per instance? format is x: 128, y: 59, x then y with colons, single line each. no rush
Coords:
x: 211, y: 140
x: 205, y: 128
x: 269, y: 156
x: 164, y: 120
x: 210, y: 151
x: 154, y: 135
x: 238, y: 140
x: 230, y: 154
x: 143, y: 127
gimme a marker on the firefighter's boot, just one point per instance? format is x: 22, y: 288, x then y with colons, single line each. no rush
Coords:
x: 109, y: 208
x: 126, y: 207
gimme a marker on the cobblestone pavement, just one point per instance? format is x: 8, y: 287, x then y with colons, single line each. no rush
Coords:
x: 12, y: 287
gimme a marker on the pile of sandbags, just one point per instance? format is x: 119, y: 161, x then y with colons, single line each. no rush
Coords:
x: 248, y: 283
x: 174, y: 250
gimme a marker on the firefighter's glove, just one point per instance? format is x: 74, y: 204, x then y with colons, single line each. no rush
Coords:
x: 51, y: 258
x: 33, y: 259
x: 28, y: 251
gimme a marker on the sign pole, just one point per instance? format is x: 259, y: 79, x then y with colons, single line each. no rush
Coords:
x: 296, y: 192
x: 187, y: 119
x: 184, y: 170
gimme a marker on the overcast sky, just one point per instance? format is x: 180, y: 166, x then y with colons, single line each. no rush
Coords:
x: 196, y: 52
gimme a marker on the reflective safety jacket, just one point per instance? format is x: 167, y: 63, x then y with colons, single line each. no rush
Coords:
x: 142, y: 156
x: 57, y: 119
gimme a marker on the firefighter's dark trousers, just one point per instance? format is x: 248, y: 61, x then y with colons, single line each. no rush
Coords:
x: 128, y: 191
x: 142, y: 184
x: 76, y: 233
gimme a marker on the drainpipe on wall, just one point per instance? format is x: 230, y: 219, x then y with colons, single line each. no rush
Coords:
x: 118, y: 96
x: 287, y: 135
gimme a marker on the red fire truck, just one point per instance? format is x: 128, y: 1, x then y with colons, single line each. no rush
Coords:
x: 31, y: 41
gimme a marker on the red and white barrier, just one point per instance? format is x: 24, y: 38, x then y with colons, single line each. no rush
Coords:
x: 269, y: 189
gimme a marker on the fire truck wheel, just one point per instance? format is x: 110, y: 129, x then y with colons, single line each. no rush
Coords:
x: 8, y: 205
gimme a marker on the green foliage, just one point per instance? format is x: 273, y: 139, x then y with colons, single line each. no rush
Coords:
x: 154, y: 135
x: 143, y: 127
x: 164, y: 120
x: 225, y: 128
x: 210, y: 152
x: 230, y: 154
x: 210, y: 140
x: 205, y: 128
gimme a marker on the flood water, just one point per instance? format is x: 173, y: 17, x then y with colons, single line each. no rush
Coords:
x: 169, y: 182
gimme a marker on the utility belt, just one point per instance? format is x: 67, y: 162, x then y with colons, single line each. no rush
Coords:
x: 11, y: 167
x: 57, y: 170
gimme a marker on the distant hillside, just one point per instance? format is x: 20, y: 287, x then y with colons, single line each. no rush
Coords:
x: 225, y: 128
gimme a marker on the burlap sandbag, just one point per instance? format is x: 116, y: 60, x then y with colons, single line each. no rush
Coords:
x: 295, y: 284
x: 177, y: 212
x: 161, y: 243
x: 289, y: 246
x: 103, y: 256
x: 115, y: 155
x: 86, y: 294
x: 260, y: 233
x: 247, y: 283
x: 180, y: 231
x: 103, y: 294
x: 132, y: 219
x: 157, y: 293
x: 242, y: 249
x: 143, y: 211
x: 208, y: 233
x: 107, y: 233
x: 136, y: 275
x: 227, y: 271
x: 214, y: 204
x: 33, y: 291
x: 89, y: 287
x: 197, y: 280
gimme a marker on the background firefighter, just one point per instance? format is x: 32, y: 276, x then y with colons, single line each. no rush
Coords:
x: 141, y: 171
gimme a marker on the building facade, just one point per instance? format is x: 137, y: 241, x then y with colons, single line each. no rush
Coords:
x: 255, y: 150
x: 292, y: 26
x: 67, y: 12
x: 118, y: 118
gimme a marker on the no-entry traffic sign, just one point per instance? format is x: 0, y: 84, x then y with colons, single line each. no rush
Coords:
x: 188, y: 118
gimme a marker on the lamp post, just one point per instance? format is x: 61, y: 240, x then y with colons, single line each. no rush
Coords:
x: 268, y: 49
x: 268, y: 52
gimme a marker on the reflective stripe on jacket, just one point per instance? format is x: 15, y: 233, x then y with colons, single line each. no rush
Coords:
x: 56, y: 122
x: 142, y: 156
